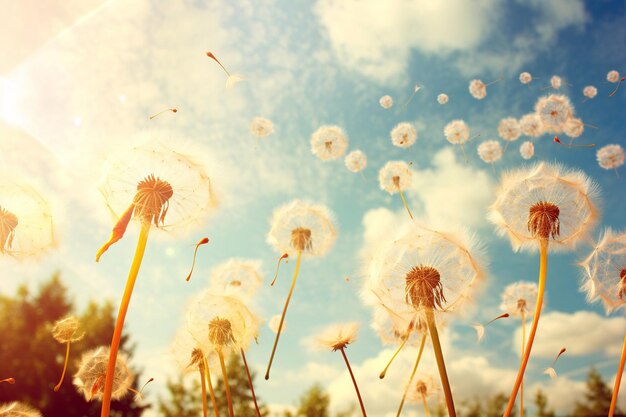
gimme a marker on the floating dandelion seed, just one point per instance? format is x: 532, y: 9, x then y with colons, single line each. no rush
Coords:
x: 612, y: 76
x: 336, y: 338
x: 395, y: 177
x: 26, y: 229
x: 356, y: 161
x: 442, y: 98
x: 275, y: 322
x: 421, y: 389
x: 232, y: 78
x: 570, y: 145
x: 551, y: 371
x: 554, y: 110
x: 416, y: 88
x: 531, y: 125
x: 480, y: 328
x: 478, y: 89
x: 610, y: 157
x: 617, y: 86
x: 590, y: 92
x: 66, y: 331
x: 540, y: 207
x: 201, y: 242
x: 403, y: 135
x: 165, y: 189
x: 525, y: 78
x: 509, y: 130
x: 556, y: 82
x: 329, y: 142
x: 239, y: 278
x: 173, y: 110
x: 527, y: 150
x: 10, y: 381
x: 261, y: 127
x: 304, y: 229
x: 92, y: 371
x: 457, y: 133
x: 490, y: 152
x: 17, y: 409
x: 282, y: 257
x: 604, y: 279
x: 386, y: 102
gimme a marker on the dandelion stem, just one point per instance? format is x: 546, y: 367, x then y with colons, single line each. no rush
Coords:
x: 282, y: 318
x: 464, y: 154
x: 543, y: 268
x: 67, y: 357
x: 207, y: 372
x: 405, y: 204
x: 384, y: 372
x: 245, y: 363
x: 203, y: 382
x: 417, y: 362
x: 441, y: 365
x: 425, y: 405
x: 220, y: 354
x: 618, y: 379
x: 356, y: 387
x: 121, y: 316
x: 521, y: 387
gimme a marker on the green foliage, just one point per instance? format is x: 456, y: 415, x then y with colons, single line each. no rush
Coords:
x: 30, y: 354
x: 184, y: 401
x: 541, y: 402
x: 485, y: 406
x: 597, y: 398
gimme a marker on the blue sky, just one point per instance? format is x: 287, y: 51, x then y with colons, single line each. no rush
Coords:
x: 79, y: 81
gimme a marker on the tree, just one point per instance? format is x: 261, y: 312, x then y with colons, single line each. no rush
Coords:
x: 597, y: 398
x: 184, y: 401
x: 496, y: 406
x: 541, y: 401
x: 314, y: 403
x: 29, y: 353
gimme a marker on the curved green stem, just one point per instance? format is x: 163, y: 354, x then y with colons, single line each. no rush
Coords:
x: 417, y: 362
x: 441, y: 365
x: 618, y: 379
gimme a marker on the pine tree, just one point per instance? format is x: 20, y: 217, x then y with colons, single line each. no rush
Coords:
x: 184, y: 401
x: 541, y: 402
x: 314, y: 403
x: 597, y: 398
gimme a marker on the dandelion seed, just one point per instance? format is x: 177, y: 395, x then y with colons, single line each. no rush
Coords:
x: 556, y: 82
x: 202, y: 241
x: 232, y: 78
x: 612, y: 76
x: 570, y: 145
x: 66, y: 331
x: 261, y: 127
x: 356, y: 161
x: 17, y: 409
x: 173, y: 110
x: 590, y: 92
x: 395, y: 177
x: 305, y: 229
x: 610, y: 157
x: 283, y: 256
x: 275, y: 322
x: 239, y: 278
x: 478, y: 89
x: 420, y: 390
x: 416, y: 88
x: 91, y: 374
x: 531, y: 125
x: 457, y: 133
x: 403, y: 135
x: 509, y: 130
x: 480, y: 328
x: 554, y: 110
x: 617, y: 86
x: 386, y: 102
x: 442, y: 98
x: 490, y: 152
x: 329, y: 142
x: 551, y: 371
x: 540, y: 207
x: 525, y: 78
x: 10, y: 381
x: 527, y: 150
x: 139, y: 394
x: 574, y: 127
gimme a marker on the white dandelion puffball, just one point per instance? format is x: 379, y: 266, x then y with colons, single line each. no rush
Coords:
x: 520, y: 298
x: 356, y: 161
x: 386, y: 102
x: 610, y: 156
x: 395, y: 176
x: 442, y: 98
x: 238, y: 278
x: 509, y: 129
x: 329, y: 142
x: 590, y: 91
x: 554, y: 110
x: 556, y: 82
x: 457, y: 132
x: 612, y: 76
x: 527, y: 150
x: 531, y: 126
x: 478, y: 89
x: 525, y: 77
x: 490, y: 151
x: 261, y: 127
x: 89, y: 378
x: 573, y: 127
x: 403, y: 135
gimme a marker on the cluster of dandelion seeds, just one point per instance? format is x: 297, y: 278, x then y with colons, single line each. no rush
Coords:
x: 525, y: 77
x: 356, y: 161
x: 403, y: 135
x: 261, y: 127
x: 531, y: 125
x: 386, y: 102
x: 239, y: 278
x: 554, y: 110
x: 395, y: 176
x: 329, y: 142
x: 442, y: 98
x: 610, y: 156
x: 89, y: 378
x: 527, y: 150
x: 490, y: 151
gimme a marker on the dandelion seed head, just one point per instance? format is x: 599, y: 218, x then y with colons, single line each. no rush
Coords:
x: 18, y: 409
x: 239, y: 278
x: 356, y: 161
x: 261, y: 127
x: 423, y: 387
x: 442, y: 98
x: 509, y: 129
x: 89, y: 378
x: 556, y: 82
x: 490, y: 151
x: 338, y: 336
x: 610, y: 156
x: 527, y: 150
x: 394, y: 176
x: 525, y: 77
x: 457, y: 132
x: 478, y: 89
x: 612, y: 76
x: 520, y: 298
x: 301, y: 226
x: 590, y: 91
x: 393, y: 325
x: 545, y: 201
x: 329, y: 142
x: 573, y: 127
x: 386, y: 102
x: 554, y: 110
x: 403, y: 135
x: 66, y: 330
x: 531, y: 125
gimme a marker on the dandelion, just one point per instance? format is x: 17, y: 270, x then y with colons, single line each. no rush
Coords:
x: 403, y: 135
x: 570, y: 145
x: 574, y: 127
x: 395, y: 177
x: 420, y: 390
x: 427, y: 271
x: 232, y: 78
x: 590, y: 92
x: 531, y: 126
x: 480, y: 328
x: 304, y: 229
x: 173, y: 110
x: 478, y: 89
x: 525, y: 78
x: 337, y: 338
x: 457, y: 133
x: 261, y: 127
x: 93, y: 370
x: 203, y: 241
x: 26, y: 229
x: 551, y: 371
x: 239, y: 278
x: 612, y: 76
x: 356, y: 161
x: 554, y: 110
x: 490, y: 152
x: 329, y: 142
x: 386, y: 102
x: 275, y: 322
x: 610, y: 157
x: 540, y: 207
x: 527, y: 150
x: 604, y: 279
x: 66, y: 331
x: 17, y: 409
x: 509, y: 130
x: 556, y: 82
x: 442, y: 98
x: 165, y: 189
